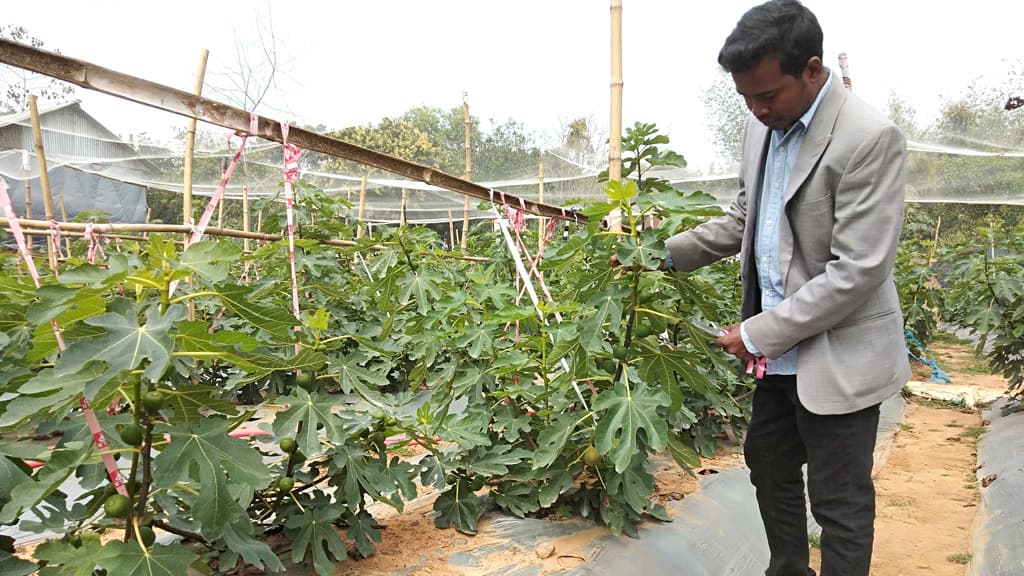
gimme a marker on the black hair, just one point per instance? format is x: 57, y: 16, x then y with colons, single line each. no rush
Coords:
x: 783, y: 28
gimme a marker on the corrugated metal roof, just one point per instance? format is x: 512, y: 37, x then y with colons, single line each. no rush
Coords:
x: 46, y: 108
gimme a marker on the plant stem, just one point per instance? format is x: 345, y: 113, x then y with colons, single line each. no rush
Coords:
x: 137, y: 416
x: 405, y: 252
x: 180, y: 532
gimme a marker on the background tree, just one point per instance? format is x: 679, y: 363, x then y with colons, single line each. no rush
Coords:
x: 16, y: 84
x: 726, y: 115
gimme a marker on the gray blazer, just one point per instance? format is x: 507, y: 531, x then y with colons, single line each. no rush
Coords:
x: 837, y: 244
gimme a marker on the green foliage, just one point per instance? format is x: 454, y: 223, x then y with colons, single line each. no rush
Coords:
x: 986, y: 296
x: 921, y: 296
x: 395, y: 346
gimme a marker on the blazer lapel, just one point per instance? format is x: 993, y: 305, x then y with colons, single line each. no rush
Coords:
x: 754, y: 152
x: 753, y: 177
x: 818, y: 136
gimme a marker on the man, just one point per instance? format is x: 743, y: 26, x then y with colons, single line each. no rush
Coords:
x: 816, y: 222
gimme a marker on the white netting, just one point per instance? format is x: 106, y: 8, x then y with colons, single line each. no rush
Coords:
x: 964, y: 147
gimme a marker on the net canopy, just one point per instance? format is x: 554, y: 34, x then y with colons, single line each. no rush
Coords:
x: 967, y: 148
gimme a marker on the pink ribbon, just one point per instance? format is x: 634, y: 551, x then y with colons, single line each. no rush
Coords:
x: 757, y: 367
x: 291, y: 169
x: 95, y: 243
x: 90, y: 417
x: 55, y: 238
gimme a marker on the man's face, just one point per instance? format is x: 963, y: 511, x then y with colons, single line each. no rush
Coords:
x: 778, y: 100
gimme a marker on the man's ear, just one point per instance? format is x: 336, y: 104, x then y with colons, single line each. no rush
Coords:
x: 815, y: 70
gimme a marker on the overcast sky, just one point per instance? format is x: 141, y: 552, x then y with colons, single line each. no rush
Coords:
x: 540, y: 62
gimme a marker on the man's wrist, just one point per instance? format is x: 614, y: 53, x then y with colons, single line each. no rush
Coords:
x: 747, y: 342
x: 667, y: 265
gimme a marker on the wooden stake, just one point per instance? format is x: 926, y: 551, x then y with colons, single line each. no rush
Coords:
x: 98, y: 78
x: 190, y: 144
x: 64, y: 218
x: 540, y: 198
x: 451, y: 231
x: 44, y: 178
x: 844, y: 70
x: 469, y: 170
x: 77, y: 229
x: 220, y: 212
x: 405, y: 203
x: 362, y: 208
x: 27, y: 168
x: 615, y: 126
x: 245, y: 216
x: 935, y: 243
x: 259, y: 220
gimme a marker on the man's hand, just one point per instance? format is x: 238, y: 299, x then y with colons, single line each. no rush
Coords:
x: 614, y: 261
x: 732, y: 342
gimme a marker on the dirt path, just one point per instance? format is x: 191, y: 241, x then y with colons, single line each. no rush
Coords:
x: 926, y: 495
x: 927, y: 492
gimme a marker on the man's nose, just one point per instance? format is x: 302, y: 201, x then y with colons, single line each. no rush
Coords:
x: 757, y: 108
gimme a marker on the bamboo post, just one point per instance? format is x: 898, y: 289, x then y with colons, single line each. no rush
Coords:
x: 844, y: 69
x: 259, y: 220
x: 26, y: 167
x: 540, y: 198
x: 615, y: 126
x: 64, y: 218
x: 44, y: 178
x: 935, y: 242
x: 469, y: 170
x: 220, y: 213
x: 141, y: 91
x: 245, y: 216
x: 190, y: 144
x: 362, y: 208
x: 451, y: 231
x: 405, y: 203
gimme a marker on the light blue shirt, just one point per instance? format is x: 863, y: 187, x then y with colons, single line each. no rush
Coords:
x: 782, y: 152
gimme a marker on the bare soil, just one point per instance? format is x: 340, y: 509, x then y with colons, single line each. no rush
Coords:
x: 927, y: 495
x: 927, y: 492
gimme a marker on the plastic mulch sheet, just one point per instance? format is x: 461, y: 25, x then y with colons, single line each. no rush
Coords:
x: 998, y: 548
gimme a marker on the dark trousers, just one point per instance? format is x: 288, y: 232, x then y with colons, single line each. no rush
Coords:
x: 838, y: 451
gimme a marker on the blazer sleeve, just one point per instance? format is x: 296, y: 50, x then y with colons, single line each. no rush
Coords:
x: 711, y: 241
x: 715, y: 239
x: 868, y: 219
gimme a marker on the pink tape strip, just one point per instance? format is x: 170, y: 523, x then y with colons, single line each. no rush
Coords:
x: 757, y: 367
x: 90, y: 417
x: 291, y: 169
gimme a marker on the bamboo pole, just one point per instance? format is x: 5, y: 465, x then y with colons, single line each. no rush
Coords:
x: 64, y: 218
x: 114, y: 230
x: 540, y: 198
x: 190, y: 143
x: 469, y: 169
x: 26, y: 167
x: 245, y: 216
x: 362, y: 208
x: 935, y: 242
x: 405, y: 203
x: 615, y: 125
x: 44, y: 178
x: 451, y: 231
x: 100, y: 79
x: 844, y: 69
x: 220, y: 212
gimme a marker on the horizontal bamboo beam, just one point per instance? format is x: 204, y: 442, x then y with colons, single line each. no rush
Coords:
x: 113, y: 230
x: 169, y: 99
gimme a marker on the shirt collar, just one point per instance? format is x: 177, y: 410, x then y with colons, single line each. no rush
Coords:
x: 805, y: 120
